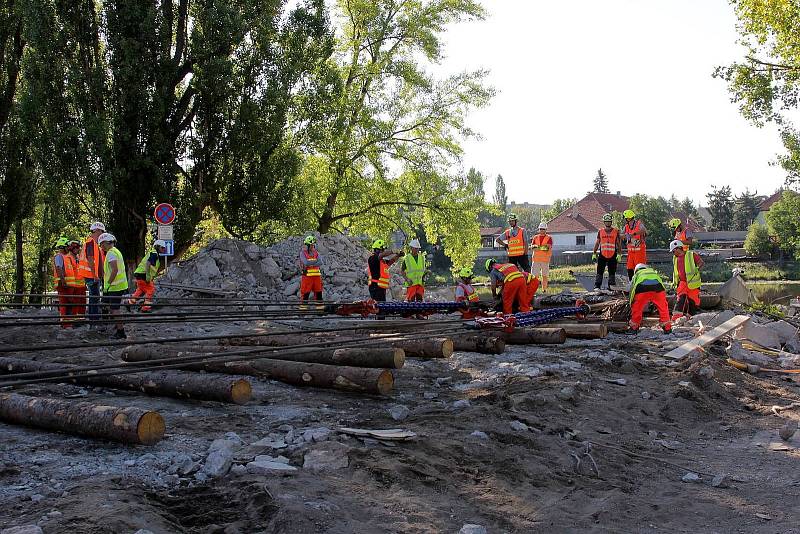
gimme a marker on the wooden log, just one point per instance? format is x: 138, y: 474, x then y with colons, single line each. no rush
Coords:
x: 377, y: 357
x: 585, y: 330
x: 127, y: 425
x: 611, y: 326
x: 425, y: 348
x: 168, y: 383
x: 535, y: 336
x: 484, y: 344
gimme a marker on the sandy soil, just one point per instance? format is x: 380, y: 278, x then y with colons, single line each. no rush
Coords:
x: 664, y: 422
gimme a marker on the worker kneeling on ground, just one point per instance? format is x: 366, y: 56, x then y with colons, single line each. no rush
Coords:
x: 512, y: 280
x: 145, y: 273
x: 115, y: 281
x: 310, y: 265
x: 646, y: 288
x: 464, y: 290
x: 414, y: 270
x: 686, y: 267
x: 532, y: 286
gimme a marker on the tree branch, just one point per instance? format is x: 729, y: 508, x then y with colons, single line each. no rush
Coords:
x: 779, y: 66
x: 382, y: 204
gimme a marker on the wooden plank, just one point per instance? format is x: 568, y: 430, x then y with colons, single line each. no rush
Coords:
x: 712, y: 335
x: 392, y: 434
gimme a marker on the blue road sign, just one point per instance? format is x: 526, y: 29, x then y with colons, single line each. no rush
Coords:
x: 170, y: 248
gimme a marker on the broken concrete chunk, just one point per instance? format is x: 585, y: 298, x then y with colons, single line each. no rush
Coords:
x: 327, y: 457
x: 783, y: 330
x: 519, y: 425
x: 218, y: 463
x: 690, y: 478
x: 720, y: 481
x: 479, y: 435
x: 760, y: 335
x: 269, y: 468
x: 317, y: 434
x: 399, y: 412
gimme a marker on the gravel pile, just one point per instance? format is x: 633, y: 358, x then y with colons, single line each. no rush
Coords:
x: 248, y: 270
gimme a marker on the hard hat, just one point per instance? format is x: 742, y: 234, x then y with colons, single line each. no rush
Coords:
x: 628, y: 214
x: 61, y: 242
x: 74, y: 242
x: 675, y: 244
x: 466, y: 272
x: 378, y: 243
x: 607, y: 217
x: 414, y: 243
x: 674, y: 223
x: 97, y: 225
x: 489, y: 263
x: 639, y: 266
x: 160, y: 243
x: 542, y: 225
x: 512, y: 216
x: 310, y: 240
x: 106, y: 237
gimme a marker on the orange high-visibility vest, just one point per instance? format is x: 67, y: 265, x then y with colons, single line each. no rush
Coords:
x: 516, y: 245
x: 542, y: 248
x: 636, y: 235
x: 681, y: 236
x: 84, y: 269
x: 383, y: 281
x: 312, y: 270
x: 608, y: 242
x: 71, y: 278
x: 469, y: 291
x: 509, y: 271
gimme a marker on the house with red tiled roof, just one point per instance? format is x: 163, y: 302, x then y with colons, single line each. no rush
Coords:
x: 576, y: 228
x: 765, y: 206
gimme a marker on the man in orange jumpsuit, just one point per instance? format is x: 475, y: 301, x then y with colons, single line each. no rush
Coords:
x: 635, y: 234
x: 512, y: 280
x: 646, y: 288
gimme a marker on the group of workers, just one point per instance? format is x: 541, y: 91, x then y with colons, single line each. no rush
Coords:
x: 97, y: 268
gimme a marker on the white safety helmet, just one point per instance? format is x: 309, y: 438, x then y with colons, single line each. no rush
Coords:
x: 542, y: 225
x: 97, y: 225
x: 160, y: 243
x: 106, y: 237
x: 639, y: 266
x: 414, y: 243
x: 675, y: 244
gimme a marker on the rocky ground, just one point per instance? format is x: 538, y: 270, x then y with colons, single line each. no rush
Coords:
x: 590, y: 436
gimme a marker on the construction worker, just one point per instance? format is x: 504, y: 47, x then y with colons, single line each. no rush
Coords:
x: 65, y: 279
x: 513, y: 239
x: 78, y: 290
x: 635, y: 234
x: 378, y: 265
x: 310, y: 265
x: 90, y: 266
x: 144, y: 275
x: 115, y: 281
x: 414, y: 270
x: 532, y: 286
x: 609, y: 244
x: 681, y: 233
x: 686, y: 267
x: 464, y: 290
x: 512, y: 280
x: 646, y: 288
x: 542, y: 245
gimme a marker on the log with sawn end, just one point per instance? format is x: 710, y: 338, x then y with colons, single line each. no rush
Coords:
x: 127, y: 425
x: 425, y: 348
x: 534, y: 336
x: 484, y: 344
x: 582, y: 330
x: 167, y: 383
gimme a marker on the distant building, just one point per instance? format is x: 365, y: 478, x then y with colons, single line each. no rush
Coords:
x: 576, y: 228
x: 765, y: 206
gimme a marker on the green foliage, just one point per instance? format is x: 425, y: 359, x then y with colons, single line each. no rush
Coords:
x: 600, y: 182
x: 655, y: 212
x: 559, y: 205
x: 784, y: 222
x: 721, y: 205
x: 500, y: 196
x: 746, y: 211
x: 757, y: 242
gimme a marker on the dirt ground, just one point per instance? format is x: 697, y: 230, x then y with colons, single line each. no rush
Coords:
x: 506, y: 459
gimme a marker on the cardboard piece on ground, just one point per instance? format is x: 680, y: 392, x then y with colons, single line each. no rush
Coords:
x: 710, y: 336
x: 392, y: 434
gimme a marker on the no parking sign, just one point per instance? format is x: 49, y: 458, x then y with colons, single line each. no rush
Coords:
x: 164, y: 213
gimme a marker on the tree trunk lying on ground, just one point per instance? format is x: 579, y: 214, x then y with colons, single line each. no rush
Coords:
x: 425, y: 348
x: 485, y: 344
x: 167, y: 383
x: 611, y: 326
x: 127, y: 425
x: 373, y: 357
x: 534, y: 336
x: 585, y: 330
x: 357, y: 379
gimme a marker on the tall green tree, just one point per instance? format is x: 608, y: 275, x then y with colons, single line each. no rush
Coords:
x: 500, y: 197
x: 765, y: 83
x: 721, y: 205
x: 600, y: 182
x: 746, y: 210
x: 559, y: 205
x: 785, y: 224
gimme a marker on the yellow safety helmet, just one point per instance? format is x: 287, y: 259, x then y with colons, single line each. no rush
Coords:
x: 674, y: 223
x: 310, y: 240
x: 628, y: 214
x: 489, y: 263
x: 466, y: 272
x: 512, y: 216
x: 61, y: 242
x: 378, y: 243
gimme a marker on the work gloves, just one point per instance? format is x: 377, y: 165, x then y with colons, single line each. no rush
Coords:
x: 594, y: 256
x: 619, y: 258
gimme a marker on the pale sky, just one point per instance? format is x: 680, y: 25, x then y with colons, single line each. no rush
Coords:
x: 620, y: 84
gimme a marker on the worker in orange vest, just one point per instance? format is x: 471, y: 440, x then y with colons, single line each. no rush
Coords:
x: 464, y: 290
x: 542, y: 245
x: 378, y: 267
x: 609, y: 244
x: 532, y: 283
x: 513, y: 239
x: 310, y: 265
x: 65, y: 279
x: 681, y: 233
x: 635, y: 235
x: 90, y: 268
x: 512, y: 281
x: 78, y: 291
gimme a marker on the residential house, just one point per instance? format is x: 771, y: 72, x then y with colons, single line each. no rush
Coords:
x: 765, y: 206
x: 576, y: 228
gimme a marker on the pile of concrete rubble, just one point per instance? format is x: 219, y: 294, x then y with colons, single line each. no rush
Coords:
x: 245, y: 269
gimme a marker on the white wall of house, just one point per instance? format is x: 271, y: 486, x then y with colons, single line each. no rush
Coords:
x: 572, y: 241
x: 761, y: 218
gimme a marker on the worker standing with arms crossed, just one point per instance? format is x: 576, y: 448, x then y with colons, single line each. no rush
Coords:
x: 90, y: 264
x: 310, y: 265
x: 635, y: 235
x: 542, y: 245
x: 513, y: 239
x: 609, y: 244
x: 115, y: 280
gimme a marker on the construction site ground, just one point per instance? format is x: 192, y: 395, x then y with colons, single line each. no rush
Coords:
x: 498, y: 443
